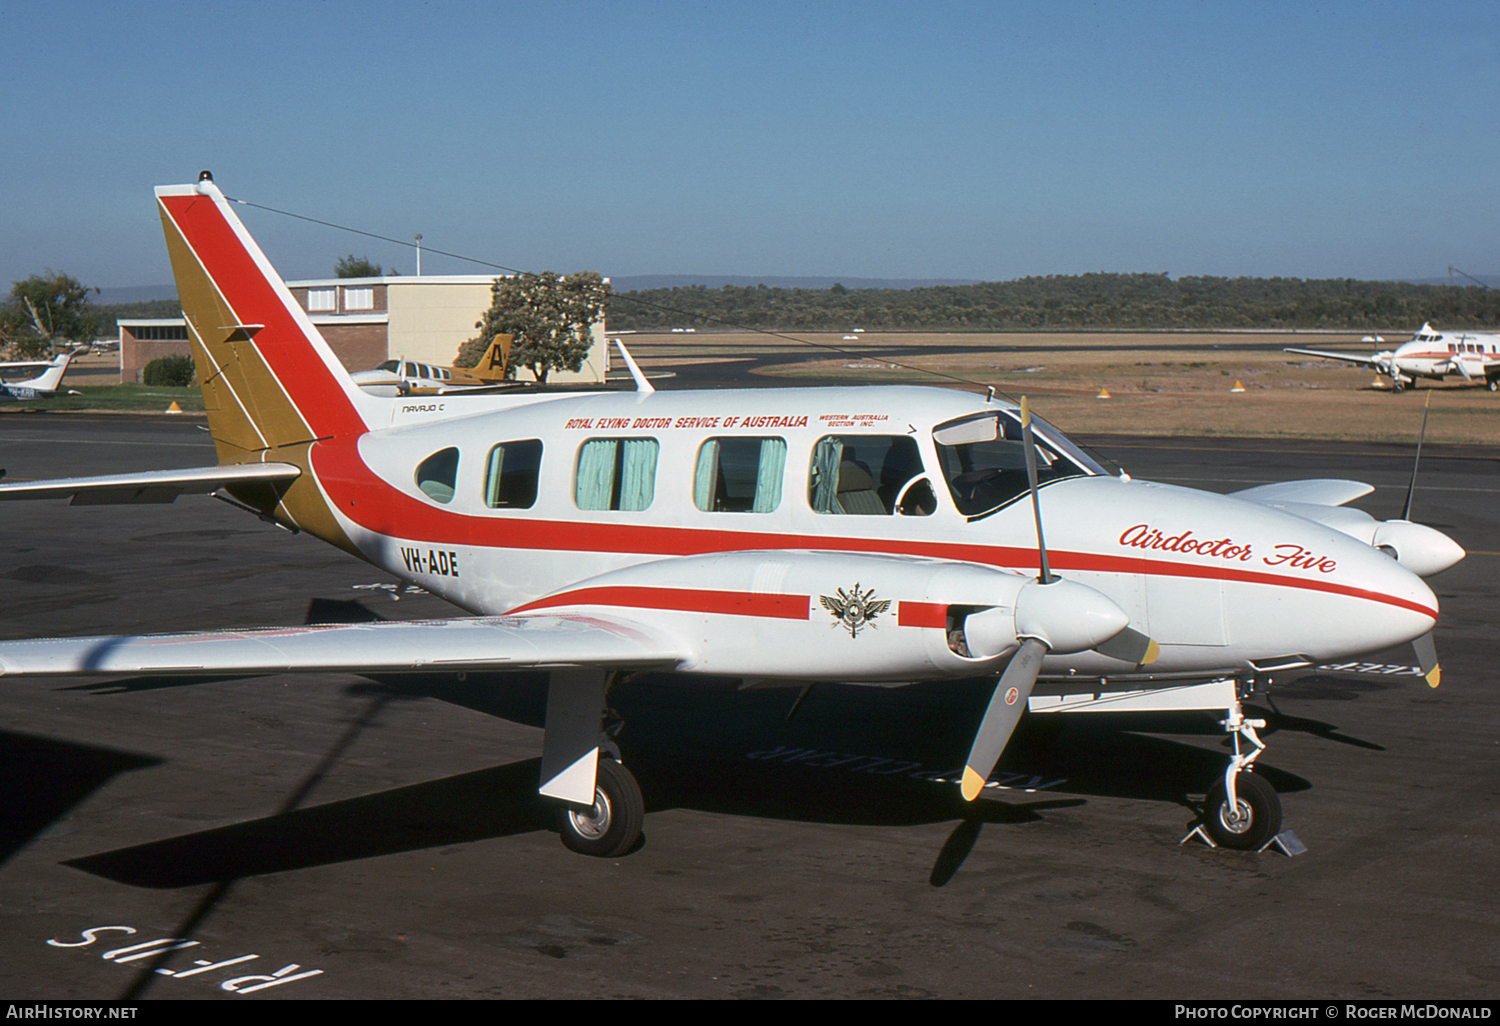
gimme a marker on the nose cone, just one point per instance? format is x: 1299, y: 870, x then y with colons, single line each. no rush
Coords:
x: 1369, y: 602
x: 1417, y: 547
x: 1239, y: 580
x: 1068, y: 616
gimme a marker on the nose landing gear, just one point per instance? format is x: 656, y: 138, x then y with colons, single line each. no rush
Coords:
x: 1241, y: 810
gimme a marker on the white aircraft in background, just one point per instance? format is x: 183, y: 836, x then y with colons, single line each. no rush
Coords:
x: 868, y: 535
x: 32, y: 379
x: 1431, y: 354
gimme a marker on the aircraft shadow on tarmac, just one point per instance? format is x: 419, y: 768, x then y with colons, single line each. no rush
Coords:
x: 43, y: 780
x: 849, y: 756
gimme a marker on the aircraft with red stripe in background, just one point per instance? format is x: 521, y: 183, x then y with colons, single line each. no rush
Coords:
x: 1432, y: 354
x: 868, y: 535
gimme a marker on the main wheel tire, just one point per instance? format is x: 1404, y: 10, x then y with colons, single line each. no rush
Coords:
x: 1254, y: 820
x: 612, y: 825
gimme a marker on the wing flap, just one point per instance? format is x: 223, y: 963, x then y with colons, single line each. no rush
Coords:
x: 151, y: 485
x: 456, y: 645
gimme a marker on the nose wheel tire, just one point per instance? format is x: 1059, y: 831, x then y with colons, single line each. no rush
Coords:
x: 612, y: 825
x: 1253, y: 820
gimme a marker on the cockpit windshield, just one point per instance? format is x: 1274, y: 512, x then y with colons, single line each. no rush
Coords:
x: 984, y: 459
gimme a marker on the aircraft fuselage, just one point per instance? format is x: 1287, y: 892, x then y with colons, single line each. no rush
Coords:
x: 603, y: 483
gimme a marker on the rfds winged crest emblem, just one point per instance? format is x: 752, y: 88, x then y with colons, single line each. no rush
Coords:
x: 854, y: 609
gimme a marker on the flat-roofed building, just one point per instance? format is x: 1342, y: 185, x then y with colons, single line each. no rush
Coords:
x: 367, y: 321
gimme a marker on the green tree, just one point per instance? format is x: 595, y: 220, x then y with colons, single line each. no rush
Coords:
x: 46, y: 309
x: 352, y: 266
x: 549, y: 316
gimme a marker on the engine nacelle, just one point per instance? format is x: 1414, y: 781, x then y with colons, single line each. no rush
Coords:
x: 809, y: 614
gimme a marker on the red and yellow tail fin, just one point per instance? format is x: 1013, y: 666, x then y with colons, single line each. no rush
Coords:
x: 269, y: 379
x: 271, y: 384
x: 491, y: 366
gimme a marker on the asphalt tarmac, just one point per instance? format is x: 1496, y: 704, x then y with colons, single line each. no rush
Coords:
x: 339, y: 837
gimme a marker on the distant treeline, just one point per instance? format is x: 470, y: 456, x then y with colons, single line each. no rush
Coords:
x: 155, y: 309
x: 1054, y: 302
x: 1065, y: 302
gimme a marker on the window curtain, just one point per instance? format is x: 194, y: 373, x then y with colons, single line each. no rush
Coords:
x: 596, y: 474
x: 706, y: 478
x: 637, y: 473
x: 825, y: 475
x: 768, y: 477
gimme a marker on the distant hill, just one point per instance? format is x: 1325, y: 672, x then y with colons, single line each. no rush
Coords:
x: 1488, y: 280
x: 135, y: 294
x: 1098, y: 301
x: 641, y: 282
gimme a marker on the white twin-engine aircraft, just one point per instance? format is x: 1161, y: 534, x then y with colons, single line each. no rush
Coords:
x: 866, y: 535
x: 32, y: 379
x: 1431, y: 354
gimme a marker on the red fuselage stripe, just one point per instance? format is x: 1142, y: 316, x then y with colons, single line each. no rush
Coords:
x: 688, y: 600
x: 359, y: 494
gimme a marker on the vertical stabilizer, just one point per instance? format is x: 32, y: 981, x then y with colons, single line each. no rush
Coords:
x: 271, y: 385
x: 51, y: 378
x: 269, y: 379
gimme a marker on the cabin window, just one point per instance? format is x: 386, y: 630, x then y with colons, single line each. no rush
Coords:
x: 984, y: 460
x: 869, y: 475
x: 438, y: 474
x: 510, y: 475
x: 616, y: 473
x: 739, y: 475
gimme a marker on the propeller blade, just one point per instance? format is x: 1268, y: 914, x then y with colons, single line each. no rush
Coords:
x: 1000, y: 719
x: 1044, y: 575
x: 1411, y: 488
x: 1130, y: 646
x: 1428, y: 660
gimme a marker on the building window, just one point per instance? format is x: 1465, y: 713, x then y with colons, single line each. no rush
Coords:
x: 322, y: 300
x: 359, y: 299
x: 160, y: 333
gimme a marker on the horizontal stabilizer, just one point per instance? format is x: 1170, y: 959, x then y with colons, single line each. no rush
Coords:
x: 149, y: 486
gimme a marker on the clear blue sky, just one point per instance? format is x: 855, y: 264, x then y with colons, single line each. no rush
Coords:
x: 863, y: 139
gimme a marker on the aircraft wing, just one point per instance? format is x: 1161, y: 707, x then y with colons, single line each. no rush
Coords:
x: 1369, y: 361
x: 391, y: 646
x: 1318, y: 492
x: 149, y: 486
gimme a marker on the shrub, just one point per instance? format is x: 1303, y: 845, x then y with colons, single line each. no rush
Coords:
x: 176, y: 371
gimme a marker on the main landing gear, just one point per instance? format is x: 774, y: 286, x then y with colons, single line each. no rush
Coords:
x: 600, y: 809
x: 1241, y: 810
x: 612, y: 825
